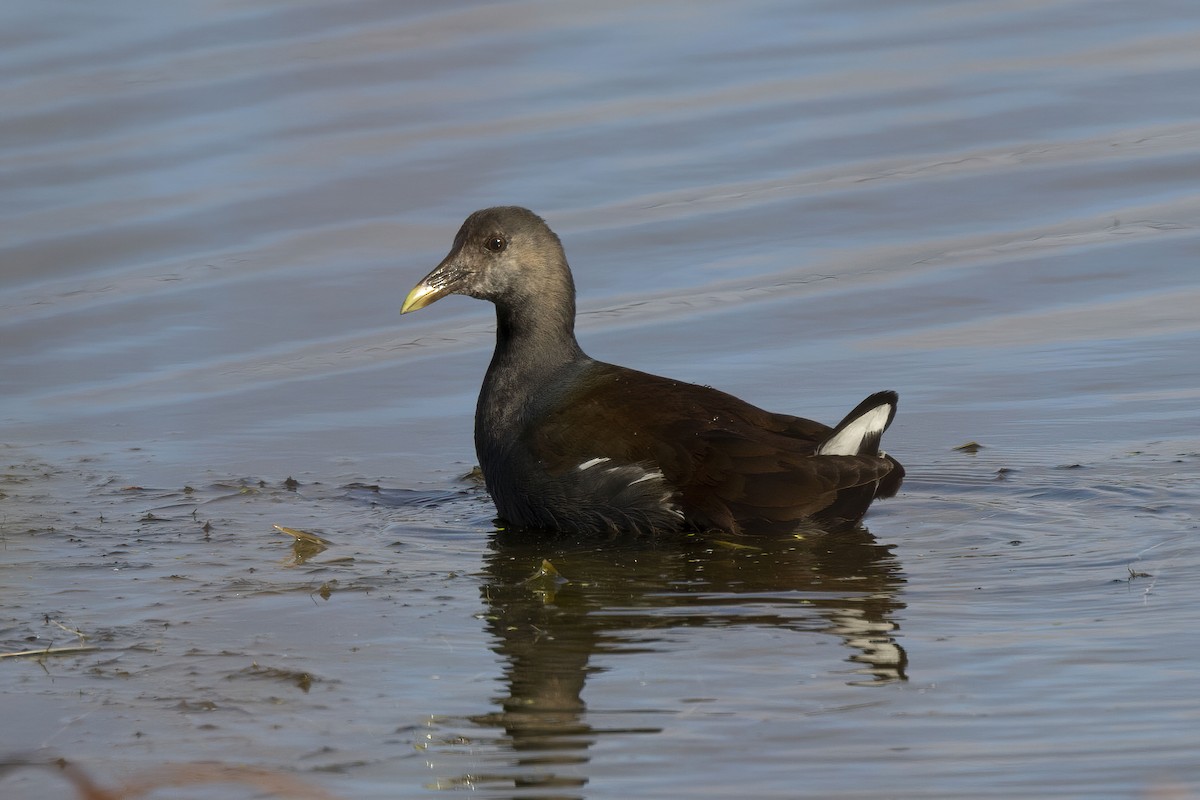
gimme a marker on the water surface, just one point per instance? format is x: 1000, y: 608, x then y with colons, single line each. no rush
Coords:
x: 210, y: 213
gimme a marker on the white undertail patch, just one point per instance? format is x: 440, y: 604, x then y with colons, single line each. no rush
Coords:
x: 849, y: 440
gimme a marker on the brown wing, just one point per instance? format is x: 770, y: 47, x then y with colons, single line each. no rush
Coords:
x: 761, y: 479
x: 731, y: 463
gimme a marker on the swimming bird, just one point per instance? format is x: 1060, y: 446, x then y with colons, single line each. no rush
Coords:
x: 569, y: 443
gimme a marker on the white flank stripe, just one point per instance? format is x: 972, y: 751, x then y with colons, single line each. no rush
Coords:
x: 591, y: 463
x: 649, y: 476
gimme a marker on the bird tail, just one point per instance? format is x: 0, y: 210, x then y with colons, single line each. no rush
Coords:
x: 858, y: 435
x: 860, y: 432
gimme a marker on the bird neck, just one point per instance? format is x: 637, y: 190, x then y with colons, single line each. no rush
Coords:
x: 536, y: 334
x: 535, y: 349
x: 529, y: 347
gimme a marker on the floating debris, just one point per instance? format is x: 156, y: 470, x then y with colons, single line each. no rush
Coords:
x: 728, y: 545
x: 51, y: 651
x: 303, y: 536
x: 546, y: 581
x: 149, y: 781
x: 306, y: 545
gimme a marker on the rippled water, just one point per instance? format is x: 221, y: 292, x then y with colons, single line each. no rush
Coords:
x: 210, y: 213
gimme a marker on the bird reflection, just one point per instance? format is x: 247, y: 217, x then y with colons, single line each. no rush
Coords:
x: 553, y: 603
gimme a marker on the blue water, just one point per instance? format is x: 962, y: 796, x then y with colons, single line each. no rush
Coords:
x: 210, y: 214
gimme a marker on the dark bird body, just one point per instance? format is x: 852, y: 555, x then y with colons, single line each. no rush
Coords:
x: 569, y: 443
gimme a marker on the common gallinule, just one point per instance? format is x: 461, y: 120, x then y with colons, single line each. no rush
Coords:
x: 569, y: 443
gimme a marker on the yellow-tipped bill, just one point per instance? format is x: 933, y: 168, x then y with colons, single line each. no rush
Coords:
x: 422, y: 295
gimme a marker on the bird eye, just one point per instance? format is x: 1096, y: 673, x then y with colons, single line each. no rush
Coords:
x: 496, y: 244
